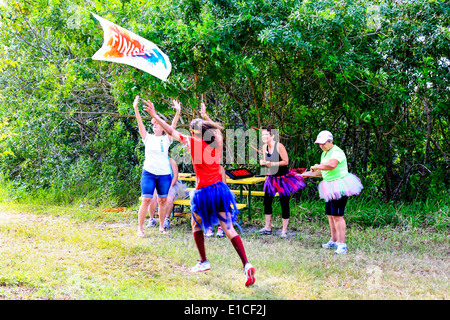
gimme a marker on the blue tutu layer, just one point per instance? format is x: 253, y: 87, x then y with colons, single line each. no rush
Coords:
x: 208, y: 202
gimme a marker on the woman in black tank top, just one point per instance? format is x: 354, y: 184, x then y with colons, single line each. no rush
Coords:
x: 276, y: 167
x: 280, y: 180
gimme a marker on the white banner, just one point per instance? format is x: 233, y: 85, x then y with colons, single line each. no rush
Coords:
x: 123, y: 46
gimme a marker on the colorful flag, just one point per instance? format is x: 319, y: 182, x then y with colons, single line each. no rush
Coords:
x: 123, y: 46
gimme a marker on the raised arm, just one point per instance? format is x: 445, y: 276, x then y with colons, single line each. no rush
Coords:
x: 205, y: 116
x: 177, y: 107
x: 142, y: 130
x: 203, y: 112
x: 150, y: 109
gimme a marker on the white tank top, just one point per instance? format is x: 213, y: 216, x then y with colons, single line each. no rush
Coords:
x: 157, y: 154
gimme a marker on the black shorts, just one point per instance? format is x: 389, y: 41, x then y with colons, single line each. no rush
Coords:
x: 336, y: 207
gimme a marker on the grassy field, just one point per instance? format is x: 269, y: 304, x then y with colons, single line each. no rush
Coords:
x: 80, y: 253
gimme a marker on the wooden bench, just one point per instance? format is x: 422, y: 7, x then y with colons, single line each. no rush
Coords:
x: 187, y: 202
x: 174, y: 213
x: 245, y: 192
x: 242, y: 193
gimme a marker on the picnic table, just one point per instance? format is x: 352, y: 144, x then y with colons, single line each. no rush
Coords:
x: 241, y: 192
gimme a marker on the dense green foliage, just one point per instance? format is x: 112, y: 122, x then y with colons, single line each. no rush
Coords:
x: 375, y: 73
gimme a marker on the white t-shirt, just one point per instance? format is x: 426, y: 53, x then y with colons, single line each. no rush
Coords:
x: 157, y: 154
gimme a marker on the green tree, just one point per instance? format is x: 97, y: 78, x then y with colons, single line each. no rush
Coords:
x: 375, y: 73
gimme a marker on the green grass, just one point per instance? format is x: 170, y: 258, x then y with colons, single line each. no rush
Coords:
x: 80, y: 252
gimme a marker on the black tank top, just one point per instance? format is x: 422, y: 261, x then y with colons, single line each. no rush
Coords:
x: 275, y: 157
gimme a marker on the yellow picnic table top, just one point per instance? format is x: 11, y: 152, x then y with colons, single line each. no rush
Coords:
x: 251, y: 180
x: 244, y: 181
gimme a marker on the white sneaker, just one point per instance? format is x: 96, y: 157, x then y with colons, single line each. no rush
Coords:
x: 249, y: 271
x: 220, y: 233
x: 209, y: 233
x: 201, y: 266
x: 341, y: 248
x: 330, y: 245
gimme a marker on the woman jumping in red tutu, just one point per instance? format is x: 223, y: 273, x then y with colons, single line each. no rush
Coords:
x: 212, y: 202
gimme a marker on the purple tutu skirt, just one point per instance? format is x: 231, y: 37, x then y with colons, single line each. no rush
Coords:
x: 350, y: 185
x: 209, y: 201
x: 284, y: 185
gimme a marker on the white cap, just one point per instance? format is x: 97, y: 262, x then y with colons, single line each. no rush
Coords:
x: 323, y: 137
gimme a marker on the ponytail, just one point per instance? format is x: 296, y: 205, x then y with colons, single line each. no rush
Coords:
x: 208, y: 131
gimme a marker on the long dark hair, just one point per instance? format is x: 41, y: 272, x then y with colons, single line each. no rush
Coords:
x: 206, y: 130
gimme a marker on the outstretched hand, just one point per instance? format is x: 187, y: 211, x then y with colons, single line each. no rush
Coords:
x: 150, y: 108
x: 311, y: 174
x: 176, y: 105
x: 135, y: 103
x: 203, y: 109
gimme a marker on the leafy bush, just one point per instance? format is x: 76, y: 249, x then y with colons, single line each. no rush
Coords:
x: 376, y: 75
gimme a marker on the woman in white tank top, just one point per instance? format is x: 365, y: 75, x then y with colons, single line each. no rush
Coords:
x: 157, y: 171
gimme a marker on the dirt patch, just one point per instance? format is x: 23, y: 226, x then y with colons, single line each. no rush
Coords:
x: 6, y: 217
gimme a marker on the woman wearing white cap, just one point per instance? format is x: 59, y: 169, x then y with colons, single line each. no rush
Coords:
x: 337, y: 185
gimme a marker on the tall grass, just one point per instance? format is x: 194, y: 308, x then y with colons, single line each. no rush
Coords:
x: 84, y: 195
x: 372, y: 213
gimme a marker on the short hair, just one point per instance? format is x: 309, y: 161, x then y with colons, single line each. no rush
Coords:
x: 269, y: 128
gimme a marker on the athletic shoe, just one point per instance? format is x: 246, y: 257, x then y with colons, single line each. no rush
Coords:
x: 330, y: 245
x: 201, y: 266
x: 151, y: 222
x: 220, y: 233
x: 249, y: 271
x: 166, y: 223
x: 209, y: 233
x: 341, y: 248
x: 263, y: 231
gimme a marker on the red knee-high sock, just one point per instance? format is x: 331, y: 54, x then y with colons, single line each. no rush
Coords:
x: 239, y: 246
x: 200, y: 242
